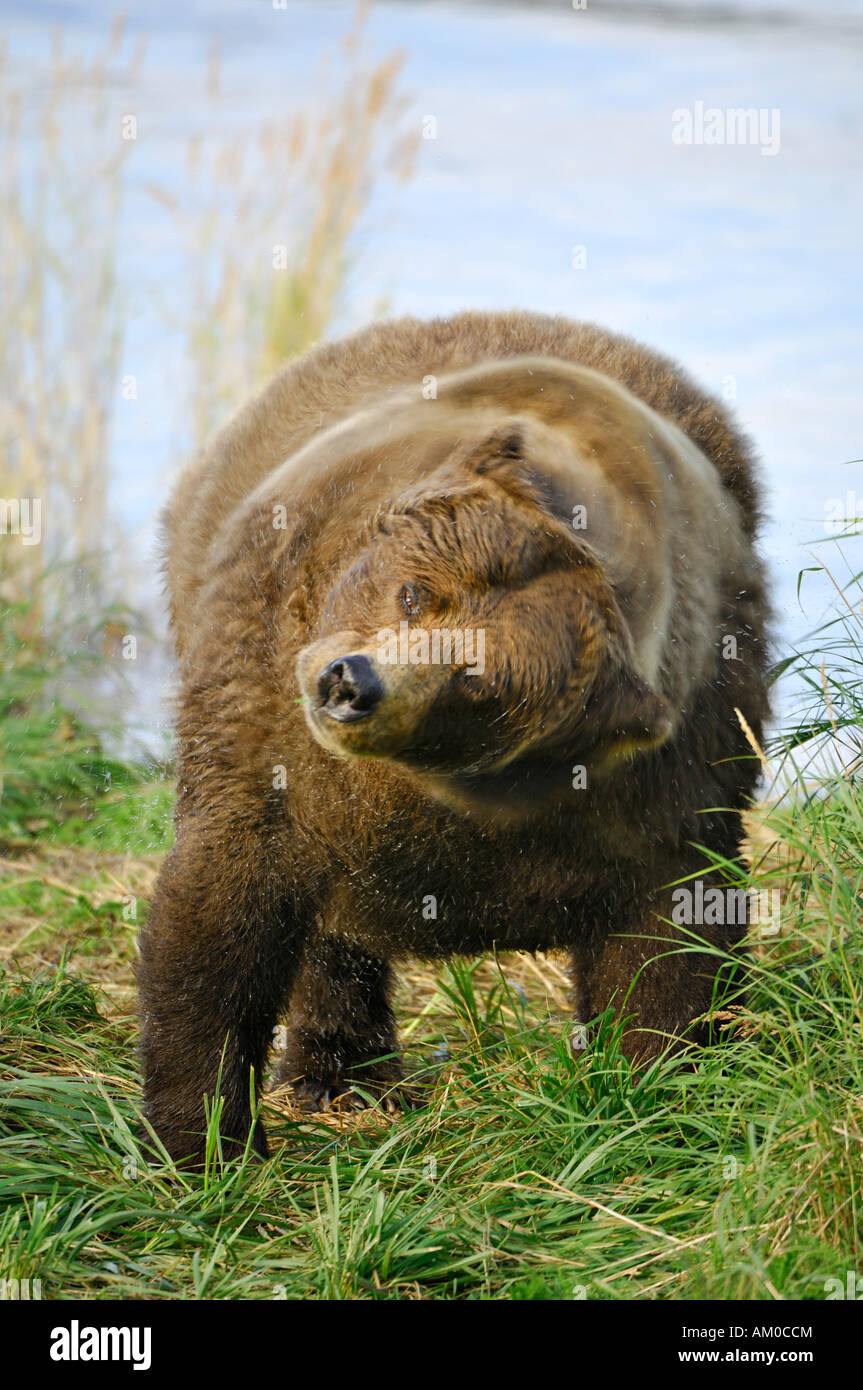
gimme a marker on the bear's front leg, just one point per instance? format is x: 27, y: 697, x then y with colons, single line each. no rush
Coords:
x: 217, y: 957
x: 341, y: 1029
x: 651, y: 973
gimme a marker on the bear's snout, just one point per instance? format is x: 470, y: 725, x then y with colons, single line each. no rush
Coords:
x: 348, y: 688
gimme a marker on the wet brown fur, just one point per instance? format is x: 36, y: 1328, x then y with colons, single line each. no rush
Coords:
x: 604, y: 649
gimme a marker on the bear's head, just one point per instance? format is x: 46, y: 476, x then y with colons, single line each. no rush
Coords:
x: 474, y: 641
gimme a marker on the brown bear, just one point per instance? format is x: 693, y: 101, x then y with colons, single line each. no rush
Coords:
x: 464, y: 611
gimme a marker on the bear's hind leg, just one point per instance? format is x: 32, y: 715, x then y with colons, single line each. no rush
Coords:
x: 650, y: 974
x: 341, y: 1032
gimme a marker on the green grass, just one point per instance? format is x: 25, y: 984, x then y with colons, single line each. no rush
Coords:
x: 129, y: 822
x: 530, y: 1173
x: 53, y: 761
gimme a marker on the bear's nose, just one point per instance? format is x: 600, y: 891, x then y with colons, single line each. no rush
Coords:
x: 348, y: 688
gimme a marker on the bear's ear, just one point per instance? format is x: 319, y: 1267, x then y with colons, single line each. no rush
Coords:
x: 506, y: 444
x: 503, y: 456
x: 625, y: 715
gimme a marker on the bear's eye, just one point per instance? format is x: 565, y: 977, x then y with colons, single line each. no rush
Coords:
x: 409, y: 600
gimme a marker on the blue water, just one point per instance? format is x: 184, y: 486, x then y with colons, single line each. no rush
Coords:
x: 554, y: 130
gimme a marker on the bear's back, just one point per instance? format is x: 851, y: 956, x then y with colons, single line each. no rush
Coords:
x: 336, y: 379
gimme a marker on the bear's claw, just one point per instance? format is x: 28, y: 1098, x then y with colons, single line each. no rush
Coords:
x: 318, y: 1097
